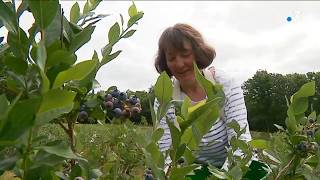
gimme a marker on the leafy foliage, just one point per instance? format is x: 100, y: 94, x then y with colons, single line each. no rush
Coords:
x: 42, y: 83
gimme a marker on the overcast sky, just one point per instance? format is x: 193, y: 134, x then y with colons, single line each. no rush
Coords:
x: 247, y: 36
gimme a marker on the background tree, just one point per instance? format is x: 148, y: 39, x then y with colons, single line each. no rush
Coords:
x: 265, y: 97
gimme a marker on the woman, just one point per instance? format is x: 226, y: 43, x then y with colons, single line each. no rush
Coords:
x: 179, y: 46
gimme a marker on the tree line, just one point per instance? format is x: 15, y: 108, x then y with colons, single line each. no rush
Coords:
x: 265, y: 96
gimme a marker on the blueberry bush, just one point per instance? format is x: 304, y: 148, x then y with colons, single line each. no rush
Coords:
x: 43, y: 81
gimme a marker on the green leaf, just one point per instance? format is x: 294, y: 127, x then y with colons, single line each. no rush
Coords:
x: 45, y: 83
x: 317, y: 136
x: 157, y: 134
x: 75, y: 13
x: 53, y: 31
x: 19, y: 120
x: 219, y: 174
x: 98, y: 113
x: 61, y: 56
x: 81, y: 38
x: 153, y: 115
x: 153, y: 149
x: 95, y: 55
x: 187, y: 138
x: 19, y: 44
x: 77, y: 72
x: 8, y: 18
x: 47, y: 159
x: 44, y: 11
x: 7, y: 163
x: 259, y: 143
x: 291, y: 121
x: 206, y: 84
x: 300, y: 105
x: 296, y: 139
x: 212, y: 90
x: 157, y: 172
x: 132, y: 10
x: 110, y: 57
x: 188, y: 154
x: 15, y: 64
x: 179, y: 173
x: 55, y: 103
x: 163, y: 88
x: 235, y: 126
x: 90, y: 5
x: 235, y: 173
x: 204, y: 116
x: 134, y: 19
x: 60, y: 148
x: 114, y: 33
x: 106, y: 50
x: 41, y: 56
x: 180, y: 150
x: 129, y: 33
x: 175, y: 134
x: 306, y: 90
x: 184, y: 108
x: 4, y: 105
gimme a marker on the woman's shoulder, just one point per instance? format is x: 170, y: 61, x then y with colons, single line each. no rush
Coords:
x: 222, y: 77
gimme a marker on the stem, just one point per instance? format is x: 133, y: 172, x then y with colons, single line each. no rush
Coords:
x: 25, y: 156
x: 284, y: 168
x: 63, y: 127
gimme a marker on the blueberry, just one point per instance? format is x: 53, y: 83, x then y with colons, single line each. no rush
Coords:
x: 122, y: 96
x: 83, y: 115
x: 148, y: 177
x: 115, y: 93
x: 108, y: 105
x: 133, y: 100
x: 108, y: 97
x: 302, y: 146
x: 117, y: 112
x: 310, y: 133
x: 116, y: 103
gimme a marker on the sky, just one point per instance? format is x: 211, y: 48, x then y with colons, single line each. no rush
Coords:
x: 246, y: 35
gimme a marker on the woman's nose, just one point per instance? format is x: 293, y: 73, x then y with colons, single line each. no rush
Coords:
x: 179, y: 61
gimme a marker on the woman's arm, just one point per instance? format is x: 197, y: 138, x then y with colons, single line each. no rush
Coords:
x: 235, y: 109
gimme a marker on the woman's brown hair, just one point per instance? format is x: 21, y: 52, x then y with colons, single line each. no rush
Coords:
x: 173, y: 38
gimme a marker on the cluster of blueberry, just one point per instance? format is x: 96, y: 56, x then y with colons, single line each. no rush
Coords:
x: 305, y: 147
x: 122, y: 106
x: 84, y: 117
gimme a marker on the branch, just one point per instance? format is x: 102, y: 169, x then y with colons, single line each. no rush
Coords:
x: 284, y: 168
x: 63, y: 127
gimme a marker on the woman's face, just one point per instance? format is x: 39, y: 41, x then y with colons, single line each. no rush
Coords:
x: 180, y: 63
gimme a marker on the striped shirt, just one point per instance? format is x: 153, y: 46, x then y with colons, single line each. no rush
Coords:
x: 213, y: 145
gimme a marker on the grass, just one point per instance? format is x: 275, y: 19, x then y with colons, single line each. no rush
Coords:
x: 260, y: 135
